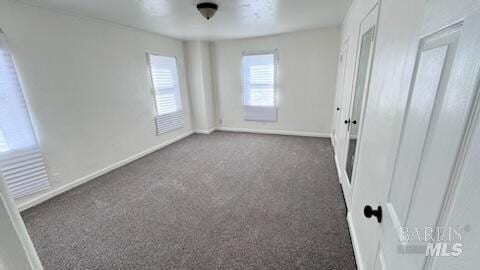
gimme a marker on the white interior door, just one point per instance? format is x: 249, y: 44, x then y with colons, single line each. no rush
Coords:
x: 354, y: 118
x: 437, y: 122
x: 342, y: 67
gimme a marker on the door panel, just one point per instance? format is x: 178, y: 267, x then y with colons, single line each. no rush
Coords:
x: 361, y: 88
x: 434, y: 129
x: 415, y: 129
x: 409, y: 204
x: 356, y: 100
x: 422, y: 99
x: 340, y: 91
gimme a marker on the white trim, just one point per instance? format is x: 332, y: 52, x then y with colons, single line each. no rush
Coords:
x: 333, y: 142
x: 57, y: 191
x: 7, y: 202
x: 277, y: 132
x: 199, y: 131
x: 354, y: 238
x: 337, y: 166
x: 345, y: 190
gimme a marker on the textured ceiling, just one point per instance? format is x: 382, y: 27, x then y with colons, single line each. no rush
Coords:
x: 234, y: 19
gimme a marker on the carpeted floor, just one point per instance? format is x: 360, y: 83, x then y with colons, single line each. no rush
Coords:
x: 218, y: 201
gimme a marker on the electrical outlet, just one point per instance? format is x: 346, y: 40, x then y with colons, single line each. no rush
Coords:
x: 55, y: 177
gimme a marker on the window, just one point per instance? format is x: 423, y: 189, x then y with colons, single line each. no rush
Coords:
x: 21, y: 162
x: 168, y: 102
x: 259, y: 79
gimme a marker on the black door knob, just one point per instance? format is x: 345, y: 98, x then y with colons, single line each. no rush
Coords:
x: 369, y: 212
x: 338, y: 109
x: 354, y: 122
x: 346, y: 122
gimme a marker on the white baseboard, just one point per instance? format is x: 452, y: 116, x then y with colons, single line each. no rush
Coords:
x: 205, y: 131
x: 353, y: 235
x: 277, y: 132
x: 54, y: 192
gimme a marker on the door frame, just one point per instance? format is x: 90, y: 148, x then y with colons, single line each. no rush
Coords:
x: 25, y: 253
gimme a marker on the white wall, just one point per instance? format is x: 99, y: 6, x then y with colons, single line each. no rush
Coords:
x: 88, y: 91
x: 199, y: 70
x: 307, y: 76
x: 87, y: 87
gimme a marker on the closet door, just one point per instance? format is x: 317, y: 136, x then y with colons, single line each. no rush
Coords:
x: 339, y: 108
x: 354, y: 118
x: 436, y: 139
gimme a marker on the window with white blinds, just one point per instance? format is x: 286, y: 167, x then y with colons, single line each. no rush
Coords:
x: 168, y: 102
x: 259, y: 81
x: 21, y: 162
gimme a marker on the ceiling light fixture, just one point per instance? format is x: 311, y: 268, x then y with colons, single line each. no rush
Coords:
x: 207, y: 9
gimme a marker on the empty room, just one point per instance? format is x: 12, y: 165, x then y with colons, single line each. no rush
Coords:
x: 240, y: 134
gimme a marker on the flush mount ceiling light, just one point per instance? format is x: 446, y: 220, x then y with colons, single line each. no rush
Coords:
x: 207, y: 9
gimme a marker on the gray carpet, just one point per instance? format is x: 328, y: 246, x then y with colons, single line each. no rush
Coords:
x: 218, y: 201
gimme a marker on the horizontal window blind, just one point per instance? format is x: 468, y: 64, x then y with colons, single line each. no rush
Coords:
x: 21, y: 162
x: 259, y: 79
x: 168, y: 103
x: 24, y: 171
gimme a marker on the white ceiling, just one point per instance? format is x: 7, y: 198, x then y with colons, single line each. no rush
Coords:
x: 234, y: 19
